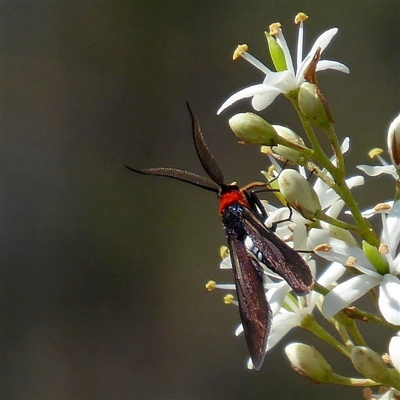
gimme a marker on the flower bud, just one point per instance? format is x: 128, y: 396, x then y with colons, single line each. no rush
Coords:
x: 298, y: 193
x: 313, y: 105
x: 375, y: 258
x: 251, y: 128
x: 369, y: 363
x: 393, y: 141
x: 284, y: 153
x: 307, y: 361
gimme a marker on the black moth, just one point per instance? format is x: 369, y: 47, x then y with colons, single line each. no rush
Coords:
x: 241, y: 214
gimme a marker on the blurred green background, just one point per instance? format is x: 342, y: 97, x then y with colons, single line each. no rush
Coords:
x: 103, y: 271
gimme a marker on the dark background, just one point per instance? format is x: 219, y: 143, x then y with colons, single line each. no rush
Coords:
x: 103, y: 271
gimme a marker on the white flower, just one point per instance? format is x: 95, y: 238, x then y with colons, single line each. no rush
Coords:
x: 275, y: 83
x: 377, y: 170
x: 393, y: 148
x: 293, y: 314
x: 354, y: 288
x: 378, y: 209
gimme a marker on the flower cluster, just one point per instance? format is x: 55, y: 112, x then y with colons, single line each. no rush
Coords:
x: 317, y: 200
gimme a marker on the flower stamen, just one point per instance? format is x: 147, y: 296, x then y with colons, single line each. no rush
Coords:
x: 382, y: 207
x: 300, y: 17
x: 239, y: 51
x: 375, y: 152
x: 229, y: 299
x: 210, y: 285
x: 275, y: 28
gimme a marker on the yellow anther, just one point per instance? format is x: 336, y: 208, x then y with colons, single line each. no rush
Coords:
x: 210, y: 285
x: 300, y: 17
x: 271, y: 170
x: 382, y: 207
x: 242, y: 48
x: 351, y: 261
x: 323, y: 247
x: 375, y: 152
x: 223, y: 252
x: 274, y: 28
x: 228, y: 299
x: 383, y: 249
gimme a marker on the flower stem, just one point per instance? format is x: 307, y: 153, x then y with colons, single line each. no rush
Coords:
x: 333, y: 221
x: 310, y: 324
x: 356, y: 313
x: 338, y: 173
x: 330, y: 132
x: 355, y: 382
x: 355, y: 332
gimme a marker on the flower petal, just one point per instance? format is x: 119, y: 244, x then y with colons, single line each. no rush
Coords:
x: 341, y: 251
x: 389, y: 300
x: 394, y: 352
x: 371, y: 211
x: 345, y: 145
x: 346, y: 293
x: 329, y: 198
x: 248, y: 92
x: 281, y: 325
x: 331, y: 275
x: 355, y: 181
x: 393, y: 220
x: 335, y: 65
x: 276, y: 296
x: 335, y: 209
x: 379, y: 170
x: 262, y: 101
x: 322, y: 41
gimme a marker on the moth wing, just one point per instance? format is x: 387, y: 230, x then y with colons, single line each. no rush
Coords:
x: 278, y: 256
x: 255, y: 311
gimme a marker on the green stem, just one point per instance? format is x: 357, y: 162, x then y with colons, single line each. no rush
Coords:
x: 365, y: 230
x: 354, y: 331
x: 330, y: 132
x: 320, y: 215
x: 310, y: 324
x: 318, y: 153
x: 356, y: 313
x: 338, y: 174
x: 355, y: 382
x: 342, y: 330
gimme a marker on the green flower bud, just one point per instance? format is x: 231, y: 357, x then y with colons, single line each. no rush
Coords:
x: 298, y: 193
x: 313, y: 105
x: 284, y: 153
x: 369, y: 363
x: 375, y: 258
x: 251, y: 128
x: 308, y: 361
